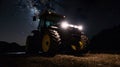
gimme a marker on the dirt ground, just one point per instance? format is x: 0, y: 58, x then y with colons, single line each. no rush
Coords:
x: 88, y: 60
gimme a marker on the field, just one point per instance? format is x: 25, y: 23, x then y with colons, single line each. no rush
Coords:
x: 88, y: 60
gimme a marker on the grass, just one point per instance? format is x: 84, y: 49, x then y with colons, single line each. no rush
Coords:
x: 89, y: 60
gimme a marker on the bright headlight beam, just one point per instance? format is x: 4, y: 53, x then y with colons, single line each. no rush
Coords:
x: 80, y: 27
x: 75, y: 26
x: 71, y: 25
x: 64, y: 25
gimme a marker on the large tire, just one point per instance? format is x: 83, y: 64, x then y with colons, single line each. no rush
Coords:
x: 29, y: 45
x: 50, y: 42
x: 79, y: 46
x: 32, y: 43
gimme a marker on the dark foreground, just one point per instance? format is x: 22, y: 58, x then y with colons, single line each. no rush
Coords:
x: 89, y: 60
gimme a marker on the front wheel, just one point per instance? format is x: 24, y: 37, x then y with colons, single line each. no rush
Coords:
x: 50, y: 41
x: 79, y: 45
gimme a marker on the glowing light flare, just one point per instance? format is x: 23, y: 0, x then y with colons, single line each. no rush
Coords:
x: 71, y: 25
x: 75, y: 26
x: 80, y: 27
x: 64, y: 16
x: 65, y: 25
x: 49, y: 12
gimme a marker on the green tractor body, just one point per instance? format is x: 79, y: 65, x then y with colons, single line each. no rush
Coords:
x: 55, y: 36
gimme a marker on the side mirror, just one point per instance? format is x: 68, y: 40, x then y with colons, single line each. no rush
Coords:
x: 34, y: 18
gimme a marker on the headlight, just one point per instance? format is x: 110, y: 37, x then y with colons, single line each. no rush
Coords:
x: 64, y: 25
x: 80, y: 27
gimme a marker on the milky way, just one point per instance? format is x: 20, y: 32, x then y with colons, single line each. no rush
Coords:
x: 16, y: 16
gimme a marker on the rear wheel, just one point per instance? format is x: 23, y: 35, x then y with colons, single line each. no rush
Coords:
x: 28, y: 45
x: 31, y: 46
x: 32, y: 43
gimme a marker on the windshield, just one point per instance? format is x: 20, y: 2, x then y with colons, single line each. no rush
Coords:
x: 54, y: 18
x: 50, y: 23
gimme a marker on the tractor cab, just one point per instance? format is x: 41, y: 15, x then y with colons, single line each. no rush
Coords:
x: 48, y: 19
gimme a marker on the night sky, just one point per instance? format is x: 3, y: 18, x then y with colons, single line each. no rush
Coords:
x: 95, y: 15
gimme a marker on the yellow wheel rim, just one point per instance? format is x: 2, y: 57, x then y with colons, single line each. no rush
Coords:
x: 73, y: 47
x: 46, y: 43
x: 81, y: 44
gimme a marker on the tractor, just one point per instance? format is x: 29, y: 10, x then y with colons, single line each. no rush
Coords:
x: 55, y: 35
